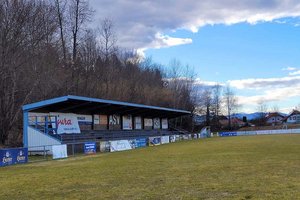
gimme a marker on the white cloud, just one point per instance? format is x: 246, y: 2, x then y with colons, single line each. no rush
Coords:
x: 139, y: 22
x: 294, y: 73
x: 266, y: 83
x: 289, y: 69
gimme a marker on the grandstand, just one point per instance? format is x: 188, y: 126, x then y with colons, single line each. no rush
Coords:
x: 70, y: 119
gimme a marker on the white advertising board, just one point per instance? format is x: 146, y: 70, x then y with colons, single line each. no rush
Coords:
x: 66, y: 123
x: 120, y: 145
x: 59, y: 151
x: 165, y: 139
x: 127, y: 122
x: 85, y: 119
x: 164, y: 123
x: 96, y: 119
x: 156, y: 123
x: 138, y: 123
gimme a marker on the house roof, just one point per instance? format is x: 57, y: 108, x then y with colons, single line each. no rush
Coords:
x: 294, y: 112
x: 274, y: 114
x: 87, y: 105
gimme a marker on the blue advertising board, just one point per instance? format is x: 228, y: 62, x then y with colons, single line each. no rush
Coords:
x: 90, y: 147
x: 13, y: 156
x: 225, y: 134
x: 140, y: 142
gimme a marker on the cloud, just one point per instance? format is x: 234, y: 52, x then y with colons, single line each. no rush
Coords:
x: 266, y: 83
x: 294, y: 73
x: 274, y: 95
x: 289, y: 69
x: 141, y: 24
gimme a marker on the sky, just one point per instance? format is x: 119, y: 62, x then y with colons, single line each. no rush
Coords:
x: 251, y: 45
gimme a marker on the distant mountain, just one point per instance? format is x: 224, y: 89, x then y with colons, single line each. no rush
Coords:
x: 251, y: 116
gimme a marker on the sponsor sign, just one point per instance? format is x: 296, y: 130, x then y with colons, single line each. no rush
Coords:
x: 165, y: 139
x: 13, y: 156
x: 127, y: 122
x: 154, y: 141
x: 172, y: 138
x: 90, y: 147
x: 104, y: 146
x: 164, y: 123
x: 148, y: 122
x: 140, y: 142
x: 156, y: 123
x: 96, y: 119
x: 177, y: 138
x: 225, y: 134
x: 138, y: 123
x: 114, y: 119
x: 85, y: 119
x: 59, y: 151
x: 119, y: 145
x: 103, y: 120
x: 66, y: 123
x: 132, y: 143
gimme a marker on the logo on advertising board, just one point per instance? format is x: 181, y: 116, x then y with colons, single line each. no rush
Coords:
x: 90, y: 147
x: 7, y: 159
x: 21, y: 158
x: 66, y: 123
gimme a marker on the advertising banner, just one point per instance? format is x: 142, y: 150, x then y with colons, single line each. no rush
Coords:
x: 148, y: 122
x: 89, y: 147
x: 138, y: 123
x: 140, y: 142
x: 132, y: 143
x: 13, y: 156
x: 177, y: 138
x: 156, y: 123
x: 96, y: 119
x: 119, y: 145
x: 67, y: 123
x: 154, y: 141
x: 114, y: 119
x: 103, y: 120
x: 127, y: 122
x: 165, y: 139
x: 59, y: 151
x: 104, y: 146
x: 185, y: 137
x: 172, y: 138
x: 164, y: 123
x: 225, y: 134
x: 85, y: 119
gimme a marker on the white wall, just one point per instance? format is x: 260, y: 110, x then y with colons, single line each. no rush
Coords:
x: 37, y: 138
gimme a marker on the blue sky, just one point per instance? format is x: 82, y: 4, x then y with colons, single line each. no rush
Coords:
x: 251, y: 45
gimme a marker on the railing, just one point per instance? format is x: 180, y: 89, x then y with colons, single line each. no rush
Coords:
x: 45, y: 124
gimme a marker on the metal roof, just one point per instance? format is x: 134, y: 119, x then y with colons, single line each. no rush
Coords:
x: 87, y: 105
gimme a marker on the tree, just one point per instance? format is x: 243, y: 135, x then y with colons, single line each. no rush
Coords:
x: 107, y: 39
x: 231, y: 103
x: 262, y: 109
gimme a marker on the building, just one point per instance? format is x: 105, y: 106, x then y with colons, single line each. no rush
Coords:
x: 293, y: 117
x: 274, y: 118
x: 70, y: 119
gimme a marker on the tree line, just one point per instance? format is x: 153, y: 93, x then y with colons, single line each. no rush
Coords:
x: 47, y: 50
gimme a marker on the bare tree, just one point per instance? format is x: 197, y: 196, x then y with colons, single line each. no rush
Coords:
x: 231, y: 103
x: 80, y: 13
x: 107, y: 38
x: 60, y: 9
x: 262, y: 109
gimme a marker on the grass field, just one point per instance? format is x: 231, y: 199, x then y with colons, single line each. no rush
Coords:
x: 249, y: 167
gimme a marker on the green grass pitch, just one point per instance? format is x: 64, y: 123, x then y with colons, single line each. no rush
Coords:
x: 247, y: 167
